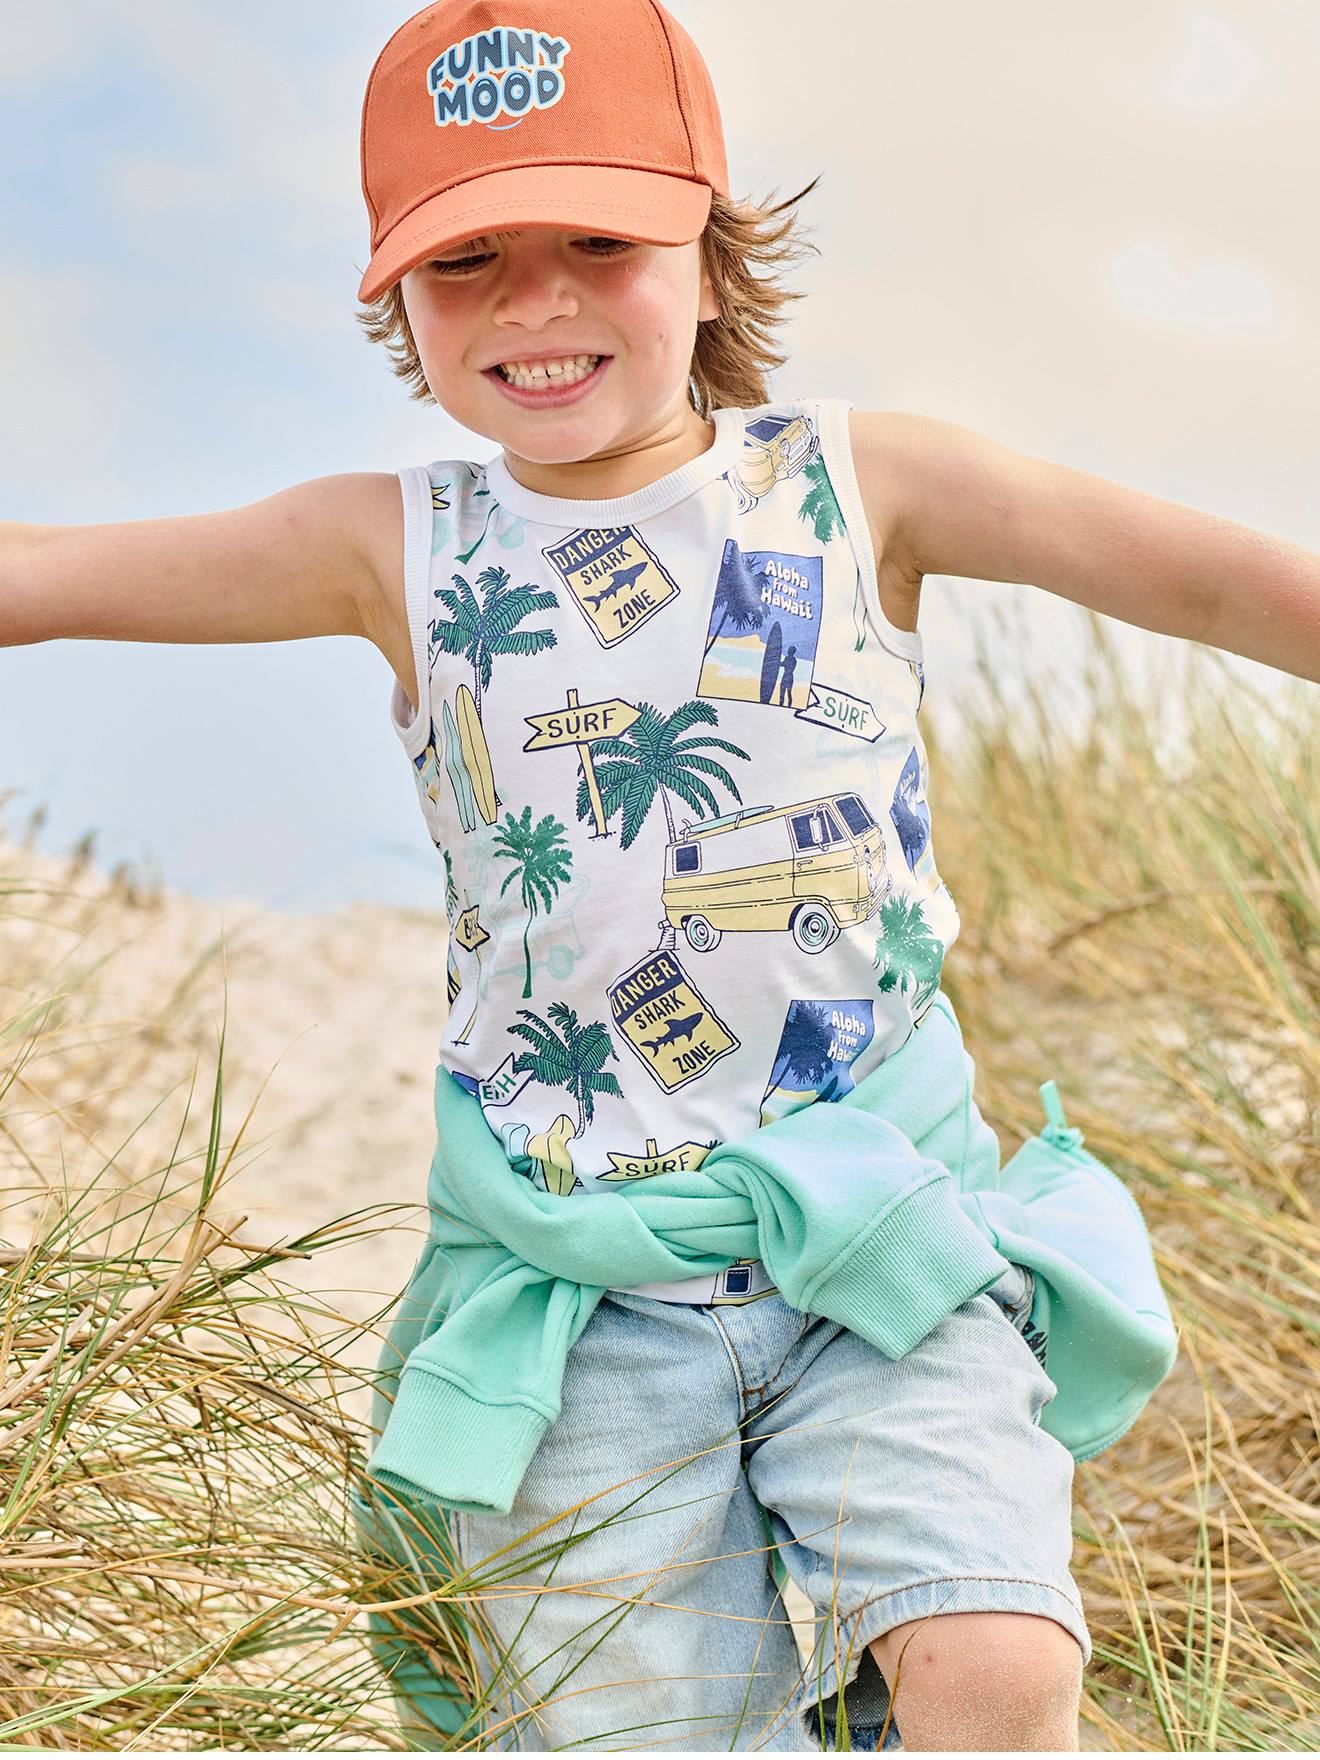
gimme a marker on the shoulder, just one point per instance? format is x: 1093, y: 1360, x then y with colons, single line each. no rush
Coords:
x: 894, y: 457
x: 374, y: 510
x: 895, y: 453
x: 345, y: 528
x: 934, y: 489
x: 350, y: 528
x: 377, y: 510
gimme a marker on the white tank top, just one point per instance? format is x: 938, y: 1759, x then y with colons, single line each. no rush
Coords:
x: 668, y: 750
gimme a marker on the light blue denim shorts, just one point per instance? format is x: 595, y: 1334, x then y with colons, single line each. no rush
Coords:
x: 892, y: 1489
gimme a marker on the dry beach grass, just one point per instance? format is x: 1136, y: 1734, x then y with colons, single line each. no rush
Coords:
x: 213, y: 1156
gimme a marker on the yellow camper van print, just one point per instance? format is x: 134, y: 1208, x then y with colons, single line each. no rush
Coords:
x: 813, y: 868
x: 774, y: 447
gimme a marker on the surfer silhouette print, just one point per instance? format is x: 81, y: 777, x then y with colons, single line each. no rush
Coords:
x: 786, y: 677
x: 765, y: 619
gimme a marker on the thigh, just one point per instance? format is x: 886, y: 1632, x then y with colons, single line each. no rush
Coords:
x: 626, y: 1600
x: 922, y: 1485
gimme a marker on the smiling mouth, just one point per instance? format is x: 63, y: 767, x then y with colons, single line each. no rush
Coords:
x: 576, y: 369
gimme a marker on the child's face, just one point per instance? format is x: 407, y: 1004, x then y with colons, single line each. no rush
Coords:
x: 568, y: 292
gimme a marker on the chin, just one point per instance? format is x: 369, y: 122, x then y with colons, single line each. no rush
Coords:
x: 576, y: 453
x: 565, y: 437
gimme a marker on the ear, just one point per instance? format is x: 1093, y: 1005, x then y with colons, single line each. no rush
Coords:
x: 709, y: 306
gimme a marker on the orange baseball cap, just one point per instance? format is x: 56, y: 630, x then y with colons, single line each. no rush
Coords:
x: 483, y: 117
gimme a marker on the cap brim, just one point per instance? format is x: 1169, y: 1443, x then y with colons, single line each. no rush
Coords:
x: 609, y: 199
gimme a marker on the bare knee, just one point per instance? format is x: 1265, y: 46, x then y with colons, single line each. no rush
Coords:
x: 1005, y: 1679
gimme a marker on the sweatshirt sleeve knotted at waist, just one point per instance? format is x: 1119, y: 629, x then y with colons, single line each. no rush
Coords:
x: 811, y: 1194
x: 852, y: 1205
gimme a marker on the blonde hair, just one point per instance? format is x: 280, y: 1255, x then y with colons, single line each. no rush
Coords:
x: 731, y: 355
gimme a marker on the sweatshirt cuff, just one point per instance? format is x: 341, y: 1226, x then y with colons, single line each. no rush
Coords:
x: 920, y: 1261
x: 440, y: 1438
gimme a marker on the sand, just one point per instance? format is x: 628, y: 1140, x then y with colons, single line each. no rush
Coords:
x: 340, y: 1015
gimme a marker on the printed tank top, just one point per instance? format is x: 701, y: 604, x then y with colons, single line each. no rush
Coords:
x: 668, y: 750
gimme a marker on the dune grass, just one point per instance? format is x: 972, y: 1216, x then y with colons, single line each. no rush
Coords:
x: 180, y: 1427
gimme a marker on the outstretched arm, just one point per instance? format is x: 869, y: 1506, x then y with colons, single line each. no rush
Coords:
x: 957, y: 503
x: 307, y: 561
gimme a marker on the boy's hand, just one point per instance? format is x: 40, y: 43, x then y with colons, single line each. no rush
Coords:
x: 314, y: 560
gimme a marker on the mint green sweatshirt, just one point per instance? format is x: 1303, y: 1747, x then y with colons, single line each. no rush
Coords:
x: 883, y: 1210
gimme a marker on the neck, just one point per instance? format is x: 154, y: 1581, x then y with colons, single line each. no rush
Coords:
x: 634, y: 462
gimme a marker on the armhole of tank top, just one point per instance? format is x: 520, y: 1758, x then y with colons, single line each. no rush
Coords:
x: 415, y: 486
x: 832, y: 419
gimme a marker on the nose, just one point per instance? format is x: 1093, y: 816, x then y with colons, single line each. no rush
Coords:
x: 533, y: 292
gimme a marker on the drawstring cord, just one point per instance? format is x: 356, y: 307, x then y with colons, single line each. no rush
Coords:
x: 1058, y: 1131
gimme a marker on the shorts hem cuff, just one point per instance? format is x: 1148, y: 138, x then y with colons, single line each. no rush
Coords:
x: 946, y: 1595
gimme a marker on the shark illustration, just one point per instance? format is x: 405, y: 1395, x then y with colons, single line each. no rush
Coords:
x: 621, y: 578
x: 682, y: 1028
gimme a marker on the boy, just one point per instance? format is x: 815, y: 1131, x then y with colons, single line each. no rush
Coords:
x: 657, y: 673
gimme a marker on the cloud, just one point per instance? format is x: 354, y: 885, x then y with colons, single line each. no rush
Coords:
x: 34, y: 45
x: 1148, y: 281
x: 273, y: 94
x: 1216, y: 67
x: 60, y: 393
x: 281, y: 105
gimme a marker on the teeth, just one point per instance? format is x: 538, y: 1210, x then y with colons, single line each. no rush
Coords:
x: 565, y: 372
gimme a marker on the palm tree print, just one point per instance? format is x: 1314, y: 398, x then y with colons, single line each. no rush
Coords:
x: 651, y: 758
x: 820, y: 507
x: 805, y: 1050
x: 478, y: 633
x: 738, y: 601
x: 648, y: 757
x: 542, y: 862
x: 906, y: 951
x: 574, y: 1062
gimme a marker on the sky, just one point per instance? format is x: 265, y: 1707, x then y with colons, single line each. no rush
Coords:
x: 1085, y: 231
